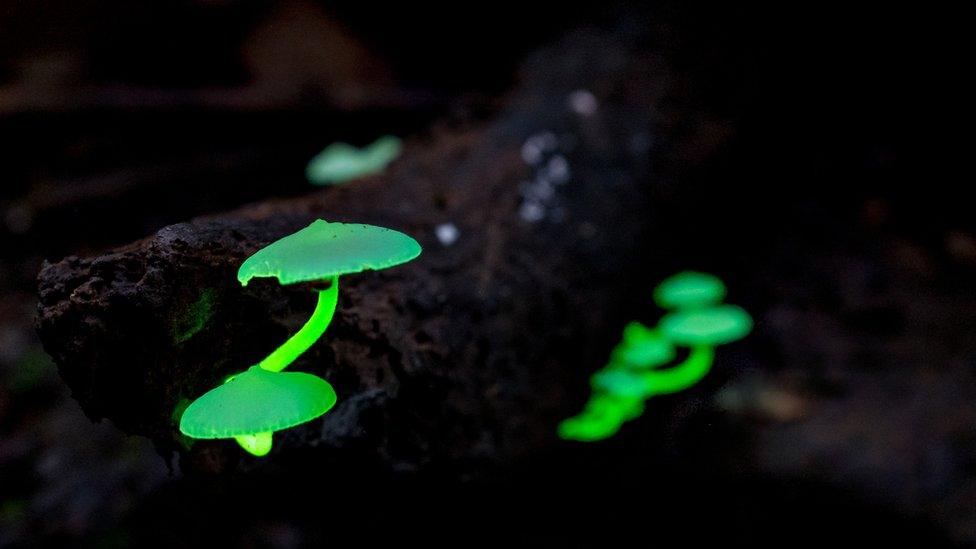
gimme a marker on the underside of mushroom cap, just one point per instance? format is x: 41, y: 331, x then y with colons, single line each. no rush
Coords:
x: 256, y: 401
x: 324, y: 250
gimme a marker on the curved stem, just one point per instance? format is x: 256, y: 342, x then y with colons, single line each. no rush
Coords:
x: 310, y: 332
x: 682, y: 376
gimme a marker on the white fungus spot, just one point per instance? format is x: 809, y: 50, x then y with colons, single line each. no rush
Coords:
x: 582, y: 102
x: 536, y: 146
x: 531, y: 153
x: 557, y: 169
x: 531, y: 211
x: 540, y: 190
x: 447, y: 233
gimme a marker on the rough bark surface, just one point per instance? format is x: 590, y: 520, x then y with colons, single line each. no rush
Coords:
x: 457, y: 359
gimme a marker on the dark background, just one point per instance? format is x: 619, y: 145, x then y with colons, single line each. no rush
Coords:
x: 836, y: 182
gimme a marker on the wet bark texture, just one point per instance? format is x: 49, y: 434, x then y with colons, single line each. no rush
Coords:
x: 454, y: 361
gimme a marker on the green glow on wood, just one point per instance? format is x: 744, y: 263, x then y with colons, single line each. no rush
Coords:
x: 636, y: 372
x: 341, y: 162
x: 258, y: 444
x: 194, y: 318
x: 251, y: 405
x: 308, y: 334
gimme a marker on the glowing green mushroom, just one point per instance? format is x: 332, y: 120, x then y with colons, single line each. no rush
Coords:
x: 689, y: 290
x: 630, y: 383
x: 642, y: 347
x: 341, y: 162
x: 602, y: 418
x: 322, y: 252
x: 252, y: 405
x: 636, y: 370
x: 711, y: 326
x: 702, y: 330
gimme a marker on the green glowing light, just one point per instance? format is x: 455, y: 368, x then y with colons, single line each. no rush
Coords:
x: 643, y: 348
x: 341, y: 162
x: 688, y: 290
x: 619, y: 382
x: 308, y: 334
x: 682, y: 376
x: 251, y: 405
x: 325, y: 250
x: 258, y: 444
x: 712, y: 326
x: 602, y: 418
x: 257, y: 401
x: 636, y: 370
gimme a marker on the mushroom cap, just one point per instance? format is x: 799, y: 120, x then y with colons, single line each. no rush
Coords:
x: 711, y: 326
x: 689, y: 290
x: 257, y: 401
x: 602, y: 418
x: 341, y: 162
x: 642, y: 347
x: 623, y: 383
x: 324, y: 250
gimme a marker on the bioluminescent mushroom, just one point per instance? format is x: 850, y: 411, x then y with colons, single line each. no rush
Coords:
x: 602, y: 418
x: 706, y: 327
x: 321, y: 252
x: 341, y: 162
x: 255, y: 403
x: 635, y: 371
x: 642, y: 347
x: 689, y: 290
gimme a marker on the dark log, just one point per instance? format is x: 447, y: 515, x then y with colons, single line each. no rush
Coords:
x: 469, y: 355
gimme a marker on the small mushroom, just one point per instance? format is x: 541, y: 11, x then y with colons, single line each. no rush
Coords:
x: 642, y: 347
x: 602, y: 418
x: 252, y: 405
x: 635, y: 373
x: 341, y: 162
x: 689, y: 290
x: 322, y: 252
x: 712, y: 326
x: 702, y: 330
x: 620, y: 382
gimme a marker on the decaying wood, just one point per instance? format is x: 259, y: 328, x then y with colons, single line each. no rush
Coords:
x: 468, y: 355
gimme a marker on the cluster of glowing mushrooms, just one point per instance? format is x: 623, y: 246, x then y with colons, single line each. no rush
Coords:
x: 639, y: 369
x: 255, y: 403
x: 250, y: 406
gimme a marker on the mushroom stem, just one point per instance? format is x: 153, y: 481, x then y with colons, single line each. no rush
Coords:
x: 308, y: 334
x: 257, y: 444
x: 682, y: 376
